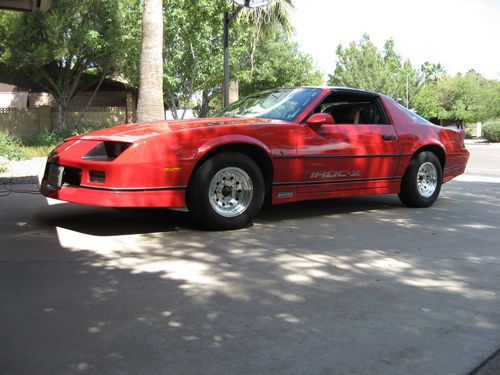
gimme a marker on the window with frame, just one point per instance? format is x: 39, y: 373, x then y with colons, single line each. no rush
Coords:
x: 353, y: 108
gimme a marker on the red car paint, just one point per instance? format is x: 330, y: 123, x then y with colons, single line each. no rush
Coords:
x: 304, y: 161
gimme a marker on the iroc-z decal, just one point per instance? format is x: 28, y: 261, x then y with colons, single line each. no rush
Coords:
x: 335, y: 174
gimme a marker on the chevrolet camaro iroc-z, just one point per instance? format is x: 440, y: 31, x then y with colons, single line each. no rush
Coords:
x: 282, y: 145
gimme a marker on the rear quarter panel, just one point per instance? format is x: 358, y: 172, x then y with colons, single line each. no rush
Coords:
x: 414, y: 136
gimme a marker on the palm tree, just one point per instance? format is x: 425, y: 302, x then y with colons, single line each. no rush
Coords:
x: 272, y: 18
x: 150, y: 104
x: 276, y: 12
x: 433, y: 72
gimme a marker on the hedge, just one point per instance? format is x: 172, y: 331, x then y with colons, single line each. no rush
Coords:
x: 491, y: 131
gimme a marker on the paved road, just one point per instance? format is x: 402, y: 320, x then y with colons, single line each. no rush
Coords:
x: 349, y: 286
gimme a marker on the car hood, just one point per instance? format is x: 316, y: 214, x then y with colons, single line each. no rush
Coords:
x: 140, y: 131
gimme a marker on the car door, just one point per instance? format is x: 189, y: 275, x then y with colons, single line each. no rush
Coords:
x: 348, y: 155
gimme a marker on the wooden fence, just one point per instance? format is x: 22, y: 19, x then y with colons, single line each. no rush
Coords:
x: 24, y: 123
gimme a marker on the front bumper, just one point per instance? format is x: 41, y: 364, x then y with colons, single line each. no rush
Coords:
x: 168, y: 197
x: 73, y: 185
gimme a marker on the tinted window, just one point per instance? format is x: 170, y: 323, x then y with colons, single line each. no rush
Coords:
x: 281, y: 104
x: 413, y: 115
x: 353, y: 108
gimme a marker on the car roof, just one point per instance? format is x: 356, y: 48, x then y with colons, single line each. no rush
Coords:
x: 352, y: 90
x: 344, y: 90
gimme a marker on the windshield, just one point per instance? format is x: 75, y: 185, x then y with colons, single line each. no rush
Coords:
x: 280, y: 104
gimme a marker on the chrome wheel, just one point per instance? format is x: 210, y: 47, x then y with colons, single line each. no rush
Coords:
x: 230, y: 191
x: 427, y: 179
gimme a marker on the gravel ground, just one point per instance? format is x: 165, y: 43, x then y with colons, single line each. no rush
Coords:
x: 24, y: 171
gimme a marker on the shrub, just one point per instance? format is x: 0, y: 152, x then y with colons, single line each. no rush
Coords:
x: 45, y: 137
x: 10, y: 147
x: 88, y: 127
x: 4, y: 164
x: 52, y: 138
x: 491, y: 131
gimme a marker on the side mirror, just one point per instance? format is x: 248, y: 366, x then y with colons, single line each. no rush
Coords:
x: 318, y: 119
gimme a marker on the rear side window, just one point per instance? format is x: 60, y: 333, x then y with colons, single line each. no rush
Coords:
x: 353, y: 108
x: 414, y: 116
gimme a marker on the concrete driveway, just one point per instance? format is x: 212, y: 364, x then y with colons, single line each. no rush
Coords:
x: 348, y: 286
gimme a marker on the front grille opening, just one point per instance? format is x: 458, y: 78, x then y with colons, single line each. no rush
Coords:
x: 71, y: 176
x: 97, y: 176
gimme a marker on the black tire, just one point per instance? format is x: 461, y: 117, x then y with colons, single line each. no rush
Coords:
x: 422, y: 181
x: 226, y: 191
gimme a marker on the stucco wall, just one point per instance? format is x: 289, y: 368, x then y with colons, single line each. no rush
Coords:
x: 13, y: 99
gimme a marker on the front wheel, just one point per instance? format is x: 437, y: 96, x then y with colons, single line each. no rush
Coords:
x: 226, y: 192
x: 421, y: 183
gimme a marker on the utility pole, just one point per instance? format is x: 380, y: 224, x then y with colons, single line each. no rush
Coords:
x: 407, y: 92
x: 228, y: 19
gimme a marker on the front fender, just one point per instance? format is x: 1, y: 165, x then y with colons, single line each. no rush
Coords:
x: 227, y: 140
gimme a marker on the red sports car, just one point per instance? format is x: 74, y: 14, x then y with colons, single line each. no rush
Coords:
x: 285, y: 145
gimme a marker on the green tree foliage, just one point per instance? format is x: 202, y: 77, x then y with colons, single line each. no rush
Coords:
x: 435, y: 95
x: 4, y: 30
x: 362, y: 65
x: 76, y: 38
x: 463, y: 98
x: 193, y: 50
x: 278, y: 63
x: 57, y: 49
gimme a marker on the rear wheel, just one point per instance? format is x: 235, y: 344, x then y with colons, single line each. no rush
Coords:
x: 422, y: 181
x: 226, y: 192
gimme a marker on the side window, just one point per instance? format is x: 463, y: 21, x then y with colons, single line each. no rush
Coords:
x: 371, y: 114
x: 353, y: 108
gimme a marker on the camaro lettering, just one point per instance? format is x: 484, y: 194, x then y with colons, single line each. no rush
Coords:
x: 335, y: 174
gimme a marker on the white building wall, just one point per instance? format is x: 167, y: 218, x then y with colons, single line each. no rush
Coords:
x: 13, y: 99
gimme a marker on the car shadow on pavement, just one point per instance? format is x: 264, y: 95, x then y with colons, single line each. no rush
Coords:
x: 327, y: 207
x: 100, y: 221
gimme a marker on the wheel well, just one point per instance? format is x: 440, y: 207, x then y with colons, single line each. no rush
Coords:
x: 436, y: 150
x: 257, y: 154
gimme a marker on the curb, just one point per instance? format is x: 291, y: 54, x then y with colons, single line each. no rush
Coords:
x: 490, y: 366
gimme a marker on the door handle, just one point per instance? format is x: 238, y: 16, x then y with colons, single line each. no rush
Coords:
x: 389, y: 137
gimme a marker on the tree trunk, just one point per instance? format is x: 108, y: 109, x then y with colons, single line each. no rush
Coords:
x: 150, y: 104
x: 173, y: 107
x: 204, y: 104
x: 61, y: 116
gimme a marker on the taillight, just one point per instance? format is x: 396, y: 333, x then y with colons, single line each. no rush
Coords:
x: 462, y: 137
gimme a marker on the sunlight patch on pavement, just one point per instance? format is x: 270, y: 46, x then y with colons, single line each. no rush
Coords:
x: 289, y: 297
x: 474, y: 178
x: 289, y: 318
x: 145, y: 255
x: 478, y: 226
x: 298, y: 278
x: 408, y: 273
